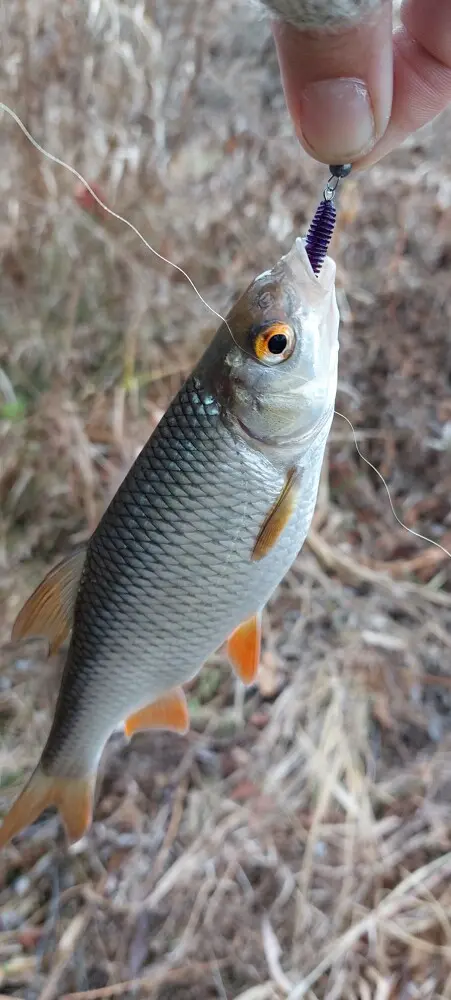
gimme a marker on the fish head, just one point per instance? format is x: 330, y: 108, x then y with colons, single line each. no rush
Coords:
x: 278, y: 372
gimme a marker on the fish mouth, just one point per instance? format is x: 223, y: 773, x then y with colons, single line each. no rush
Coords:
x: 285, y: 440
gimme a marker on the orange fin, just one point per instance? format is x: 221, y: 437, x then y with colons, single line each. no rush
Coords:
x: 278, y: 517
x: 169, y: 712
x: 72, y: 797
x: 243, y: 648
x: 49, y: 610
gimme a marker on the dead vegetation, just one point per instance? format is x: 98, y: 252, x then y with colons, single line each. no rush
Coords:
x: 297, y: 844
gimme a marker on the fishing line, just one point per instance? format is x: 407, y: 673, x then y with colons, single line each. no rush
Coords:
x: 386, y: 487
x: 72, y: 170
x: 317, y: 230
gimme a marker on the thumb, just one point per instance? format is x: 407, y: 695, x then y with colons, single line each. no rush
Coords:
x: 338, y: 82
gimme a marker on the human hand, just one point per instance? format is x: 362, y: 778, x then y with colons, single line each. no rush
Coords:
x: 354, y: 88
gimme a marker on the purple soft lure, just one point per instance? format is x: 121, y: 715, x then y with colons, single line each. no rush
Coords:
x: 322, y: 225
x: 320, y: 234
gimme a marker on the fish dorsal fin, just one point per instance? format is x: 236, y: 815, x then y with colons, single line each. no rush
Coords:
x: 278, y: 516
x: 168, y: 712
x: 243, y: 648
x: 49, y: 611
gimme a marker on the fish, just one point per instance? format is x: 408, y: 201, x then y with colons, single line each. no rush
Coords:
x: 198, y: 536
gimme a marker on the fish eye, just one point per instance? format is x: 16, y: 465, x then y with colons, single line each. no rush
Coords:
x: 275, y: 343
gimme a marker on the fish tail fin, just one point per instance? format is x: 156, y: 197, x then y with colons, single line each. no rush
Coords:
x: 73, y: 797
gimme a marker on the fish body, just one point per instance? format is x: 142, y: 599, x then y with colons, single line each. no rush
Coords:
x: 198, y: 536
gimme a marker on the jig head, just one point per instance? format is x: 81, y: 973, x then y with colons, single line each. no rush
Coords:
x: 322, y: 225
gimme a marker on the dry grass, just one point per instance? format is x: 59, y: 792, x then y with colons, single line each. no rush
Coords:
x: 301, y: 850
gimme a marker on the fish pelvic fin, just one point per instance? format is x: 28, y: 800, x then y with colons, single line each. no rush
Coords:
x: 73, y: 797
x: 168, y: 712
x: 243, y: 648
x: 278, y: 517
x: 49, y: 611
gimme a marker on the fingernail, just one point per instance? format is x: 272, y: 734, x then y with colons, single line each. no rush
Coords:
x: 337, y: 119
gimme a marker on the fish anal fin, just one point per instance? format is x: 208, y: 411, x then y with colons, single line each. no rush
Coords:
x: 73, y: 798
x: 168, y: 712
x: 48, y: 612
x: 243, y: 649
x: 278, y: 517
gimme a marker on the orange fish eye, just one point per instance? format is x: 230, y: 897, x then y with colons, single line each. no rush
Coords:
x: 274, y: 344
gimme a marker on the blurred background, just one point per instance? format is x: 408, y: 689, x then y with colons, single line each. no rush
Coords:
x: 296, y: 844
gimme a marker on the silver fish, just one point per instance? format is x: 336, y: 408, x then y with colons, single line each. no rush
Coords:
x: 202, y: 530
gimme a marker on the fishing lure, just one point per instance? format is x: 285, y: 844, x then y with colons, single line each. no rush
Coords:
x: 322, y: 225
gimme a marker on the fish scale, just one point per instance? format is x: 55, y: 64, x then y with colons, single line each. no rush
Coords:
x: 180, y: 579
x: 196, y: 539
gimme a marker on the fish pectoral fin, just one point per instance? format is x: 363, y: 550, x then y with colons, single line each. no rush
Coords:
x: 49, y: 611
x: 278, y: 516
x: 243, y: 648
x: 73, y: 797
x: 168, y: 712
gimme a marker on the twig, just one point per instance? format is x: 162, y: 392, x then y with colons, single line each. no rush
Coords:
x: 332, y: 558
x: 171, y: 834
x: 192, y: 970
x: 66, y: 948
x: 273, y: 951
x: 265, y: 991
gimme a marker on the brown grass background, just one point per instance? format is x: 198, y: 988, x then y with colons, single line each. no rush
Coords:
x: 295, y: 843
